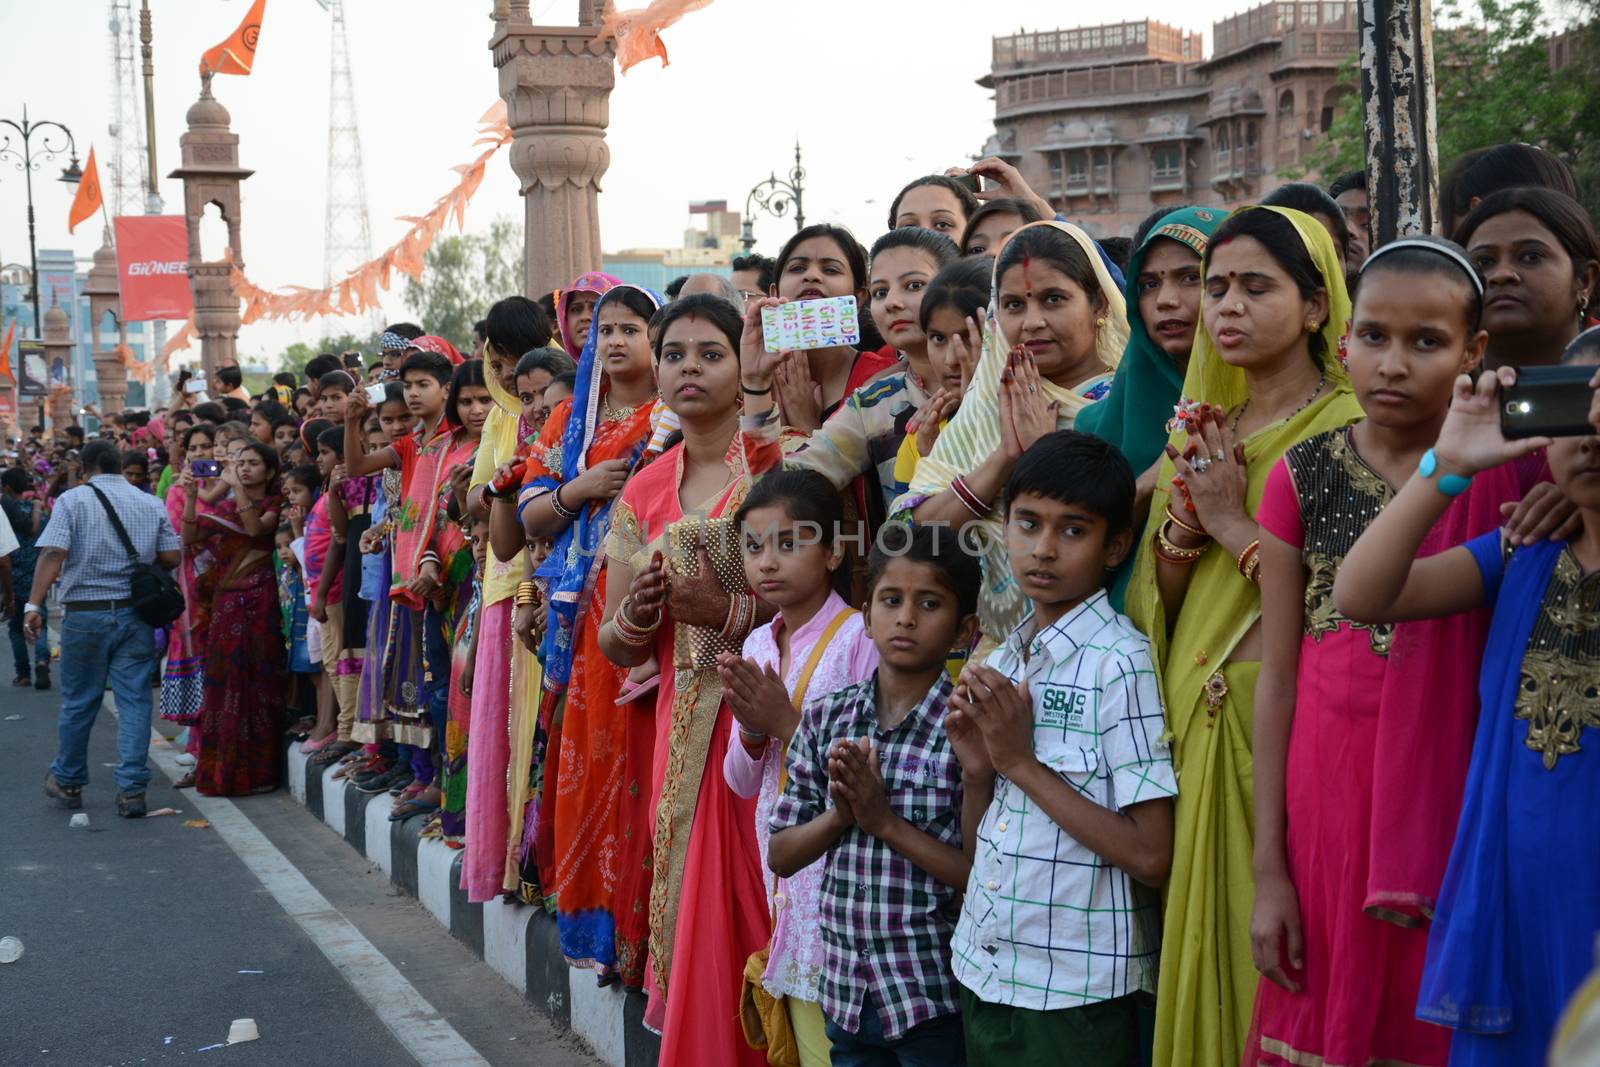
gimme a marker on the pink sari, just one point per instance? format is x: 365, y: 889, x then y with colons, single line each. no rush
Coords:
x: 708, y: 909
x: 1394, y: 709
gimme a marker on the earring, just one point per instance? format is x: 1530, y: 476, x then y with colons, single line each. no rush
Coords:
x: 1311, y: 327
x: 1583, y: 303
x: 1100, y: 323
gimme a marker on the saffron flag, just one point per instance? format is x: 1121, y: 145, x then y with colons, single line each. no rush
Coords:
x: 5, y: 352
x: 88, y: 199
x: 237, y: 54
x: 153, y: 267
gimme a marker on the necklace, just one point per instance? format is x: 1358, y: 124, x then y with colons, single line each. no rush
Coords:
x: 1322, y: 380
x: 608, y: 413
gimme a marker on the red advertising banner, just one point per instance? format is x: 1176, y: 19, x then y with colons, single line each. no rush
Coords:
x: 153, y: 267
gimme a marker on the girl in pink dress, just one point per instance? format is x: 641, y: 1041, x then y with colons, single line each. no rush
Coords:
x: 1363, y: 733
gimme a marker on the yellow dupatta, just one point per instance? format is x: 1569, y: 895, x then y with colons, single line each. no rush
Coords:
x: 1207, y: 981
x: 974, y: 433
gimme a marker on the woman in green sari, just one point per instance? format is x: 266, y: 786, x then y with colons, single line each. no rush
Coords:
x: 1264, y: 374
x: 1163, y: 294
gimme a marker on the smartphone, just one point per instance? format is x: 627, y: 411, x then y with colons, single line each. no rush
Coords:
x: 195, y: 385
x: 1548, y: 402
x: 206, y: 468
x: 971, y: 181
x: 377, y: 393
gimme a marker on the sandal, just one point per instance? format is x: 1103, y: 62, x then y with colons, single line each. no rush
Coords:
x: 407, y: 808
x: 632, y: 691
x: 186, y: 782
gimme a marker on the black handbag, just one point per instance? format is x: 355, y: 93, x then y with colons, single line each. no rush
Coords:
x: 153, y: 590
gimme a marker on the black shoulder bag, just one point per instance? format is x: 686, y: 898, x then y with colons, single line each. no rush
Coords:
x: 153, y: 590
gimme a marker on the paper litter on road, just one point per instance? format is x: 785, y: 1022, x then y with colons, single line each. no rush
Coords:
x: 12, y: 718
x: 252, y: 972
x: 79, y: 821
x: 163, y: 811
x: 196, y: 824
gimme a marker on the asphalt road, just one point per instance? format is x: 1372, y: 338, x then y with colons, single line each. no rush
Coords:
x: 144, y: 939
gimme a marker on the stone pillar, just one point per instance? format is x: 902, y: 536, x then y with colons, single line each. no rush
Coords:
x: 556, y: 82
x: 105, y: 295
x: 58, y: 346
x: 211, y: 175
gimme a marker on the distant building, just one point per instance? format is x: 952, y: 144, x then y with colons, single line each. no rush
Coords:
x: 1111, y: 122
x: 708, y: 248
x: 62, y: 283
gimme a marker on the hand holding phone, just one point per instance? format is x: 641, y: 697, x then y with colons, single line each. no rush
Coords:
x: 376, y: 394
x: 194, y: 385
x: 206, y: 468
x: 1548, y: 402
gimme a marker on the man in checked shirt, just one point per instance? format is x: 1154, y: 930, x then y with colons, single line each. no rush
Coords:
x: 875, y: 784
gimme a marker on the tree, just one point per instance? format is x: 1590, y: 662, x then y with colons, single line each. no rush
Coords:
x: 462, y: 275
x: 1493, y: 83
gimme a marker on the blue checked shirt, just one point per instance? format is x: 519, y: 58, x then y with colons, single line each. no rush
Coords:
x: 1047, y: 923
x: 886, y: 923
x: 97, y: 567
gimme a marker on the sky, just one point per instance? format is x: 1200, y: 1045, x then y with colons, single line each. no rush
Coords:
x: 876, y: 91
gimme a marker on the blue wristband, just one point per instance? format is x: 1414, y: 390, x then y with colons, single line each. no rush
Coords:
x: 1448, y: 484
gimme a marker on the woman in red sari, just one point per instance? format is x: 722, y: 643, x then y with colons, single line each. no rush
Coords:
x: 674, y: 525
x: 588, y: 447
x: 241, y: 714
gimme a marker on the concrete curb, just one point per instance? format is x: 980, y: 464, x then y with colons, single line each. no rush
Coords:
x: 518, y: 942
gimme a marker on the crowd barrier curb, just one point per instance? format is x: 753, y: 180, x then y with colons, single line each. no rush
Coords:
x: 517, y: 941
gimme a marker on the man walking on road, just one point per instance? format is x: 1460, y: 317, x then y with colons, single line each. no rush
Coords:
x: 102, y: 636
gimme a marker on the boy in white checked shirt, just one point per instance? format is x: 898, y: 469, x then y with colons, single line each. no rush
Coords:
x: 1061, y: 728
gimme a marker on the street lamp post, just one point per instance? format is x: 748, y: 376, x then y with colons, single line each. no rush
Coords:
x: 776, y: 196
x: 28, y: 161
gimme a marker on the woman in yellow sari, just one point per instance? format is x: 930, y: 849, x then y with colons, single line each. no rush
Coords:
x: 1055, y: 330
x: 1265, y: 373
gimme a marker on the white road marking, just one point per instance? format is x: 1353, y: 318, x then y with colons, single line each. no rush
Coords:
x: 412, y: 1020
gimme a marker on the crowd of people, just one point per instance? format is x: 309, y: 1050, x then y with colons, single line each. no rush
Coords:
x: 1132, y: 651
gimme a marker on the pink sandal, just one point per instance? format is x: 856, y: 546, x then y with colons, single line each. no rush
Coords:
x: 632, y: 691
x: 308, y: 746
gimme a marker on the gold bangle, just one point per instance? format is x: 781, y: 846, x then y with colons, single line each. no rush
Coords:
x: 1172, y: 553
x: 1180, y: 524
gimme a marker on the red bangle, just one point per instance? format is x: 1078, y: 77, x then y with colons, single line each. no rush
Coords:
x: 973, y: 503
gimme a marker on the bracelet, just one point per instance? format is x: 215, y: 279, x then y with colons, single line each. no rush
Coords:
x: 1180, y: 524
x: 743, y: 388
x: 561, y: 509
x: 973, y: 503
x: 741, y: 616
x: 1448, y: 484
x: 1168, y: 552
x: 752, y: 736
x: 1248, y: 560
x: 630, y: 632
x: 527, y: 593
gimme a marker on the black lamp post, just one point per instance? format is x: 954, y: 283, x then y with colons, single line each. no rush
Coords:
x: 28, y: 161
x: 776, y: 196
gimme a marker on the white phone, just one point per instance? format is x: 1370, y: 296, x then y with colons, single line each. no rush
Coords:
x: 376, y: 394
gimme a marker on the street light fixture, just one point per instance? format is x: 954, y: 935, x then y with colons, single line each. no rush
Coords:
x: 28, y: 161
x: 775, y: 196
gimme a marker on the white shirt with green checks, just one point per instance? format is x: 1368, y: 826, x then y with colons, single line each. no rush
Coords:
x: 1046, y: 923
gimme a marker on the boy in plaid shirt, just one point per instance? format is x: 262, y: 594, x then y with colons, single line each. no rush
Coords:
x: 875, y: 784
x: 1060, y: 736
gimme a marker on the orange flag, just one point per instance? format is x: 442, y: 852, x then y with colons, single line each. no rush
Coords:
x: 5, y: 352
x: 237, y: 54
x: 87, y: 201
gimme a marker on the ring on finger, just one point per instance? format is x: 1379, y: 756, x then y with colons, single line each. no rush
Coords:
x: 1200, y: 464
x: 1219, y: 455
